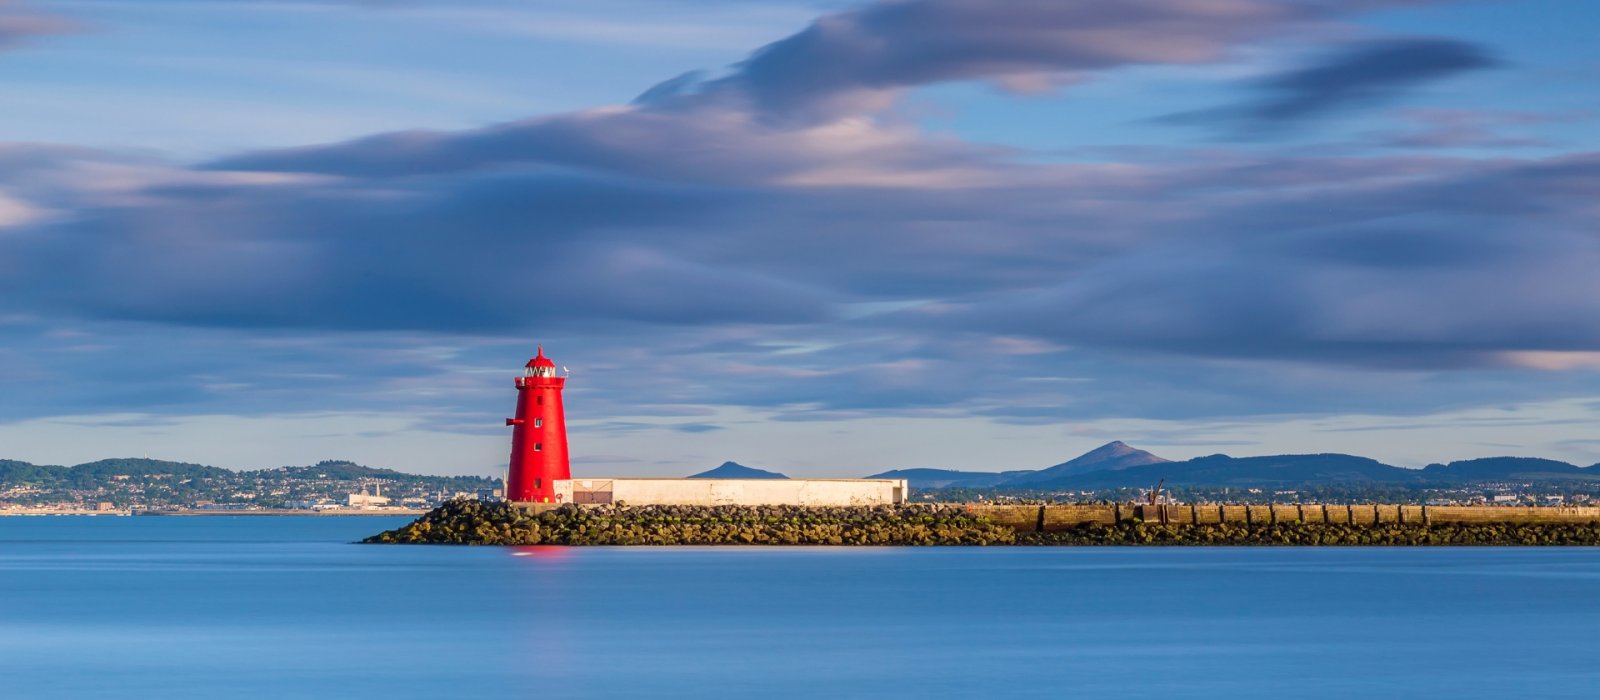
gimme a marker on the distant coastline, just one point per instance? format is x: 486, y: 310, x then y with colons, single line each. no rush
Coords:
x: 197, y: 512
x: 1112, y: 472
x: 129, y: 485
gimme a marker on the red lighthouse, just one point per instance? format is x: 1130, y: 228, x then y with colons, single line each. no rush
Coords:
x: 539, y: 438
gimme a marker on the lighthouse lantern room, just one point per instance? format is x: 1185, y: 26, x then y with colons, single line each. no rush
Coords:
x: 539, y: 434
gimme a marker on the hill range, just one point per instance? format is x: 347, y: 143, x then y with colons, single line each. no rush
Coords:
x: 1118, y: 465
x: 1115, y: 465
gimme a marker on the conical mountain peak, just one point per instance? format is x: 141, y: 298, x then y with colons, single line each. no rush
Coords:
x: 1113, y: 448
x: 1112, y: 456
x: 735, y: 470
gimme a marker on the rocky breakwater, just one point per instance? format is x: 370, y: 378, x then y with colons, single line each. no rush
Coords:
x: 477, y: 523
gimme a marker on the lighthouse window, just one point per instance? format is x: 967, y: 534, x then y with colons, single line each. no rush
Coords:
x: 538, y: 422
x: 541, y: 400
x: 538, y: 447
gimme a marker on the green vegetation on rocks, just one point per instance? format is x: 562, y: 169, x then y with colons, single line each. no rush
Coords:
x: 1323, y: 534
x: 474, y: 522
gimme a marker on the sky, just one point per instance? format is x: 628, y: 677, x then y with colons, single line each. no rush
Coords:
x: 828, y: 238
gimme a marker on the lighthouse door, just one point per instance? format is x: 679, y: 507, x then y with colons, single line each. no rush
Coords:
x: 591, y: 491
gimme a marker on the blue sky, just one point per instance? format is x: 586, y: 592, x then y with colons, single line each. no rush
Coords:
x: 826, y: 237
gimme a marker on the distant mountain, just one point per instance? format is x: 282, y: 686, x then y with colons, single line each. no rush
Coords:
x: 1110, y: 457
x: 1508, y: 469
x: 1274, y: 470
x: 1118, y: 465
x: 734, y: 470
x: 949, y: 478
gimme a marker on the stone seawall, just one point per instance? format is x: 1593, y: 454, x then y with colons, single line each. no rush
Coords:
x: 500, y: 523
x: 1055, y: 518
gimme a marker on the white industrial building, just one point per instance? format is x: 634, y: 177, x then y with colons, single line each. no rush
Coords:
x: 367, y: 501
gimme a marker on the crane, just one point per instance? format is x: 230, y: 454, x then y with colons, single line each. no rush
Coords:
x: 1155, y: 502
x: 1155, y: 494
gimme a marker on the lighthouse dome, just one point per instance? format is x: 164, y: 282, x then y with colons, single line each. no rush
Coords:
x: 540, y: 361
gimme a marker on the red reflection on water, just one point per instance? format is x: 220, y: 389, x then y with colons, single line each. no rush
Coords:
x: 542, y: 552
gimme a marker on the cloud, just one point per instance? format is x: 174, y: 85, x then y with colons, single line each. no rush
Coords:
x: 1366, y: 73
x: 15, y: 212
x: 1357, y: 262
x: 705, y: 142
x: 661, y: 23
x: 1459, y: 128
x: 1464, y: 267
x: 503, y: 252
x: 808, y: 109
x: 1357, y: 75
x: 855, y: 61
x: 18, y: 24
x: 1553, y: 360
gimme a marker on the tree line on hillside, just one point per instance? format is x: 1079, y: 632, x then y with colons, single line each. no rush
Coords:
x: 150, y: 483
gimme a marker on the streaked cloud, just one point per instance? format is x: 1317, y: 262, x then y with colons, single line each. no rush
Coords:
x: 21, y: 22
x: 1553, y: 361
x: 851, y: 61
x: 1359, y: 75
x: 1456, y: 128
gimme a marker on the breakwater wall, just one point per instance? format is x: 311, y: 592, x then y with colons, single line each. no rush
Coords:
x: 1055, y: 518
x: 474, y: 522
x: 499, y: 523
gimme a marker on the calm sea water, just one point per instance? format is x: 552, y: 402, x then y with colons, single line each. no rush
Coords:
x: 284, y: 607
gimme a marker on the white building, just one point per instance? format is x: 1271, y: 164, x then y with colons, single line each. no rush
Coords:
x: 734, y: 492
x: 368, y: 501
